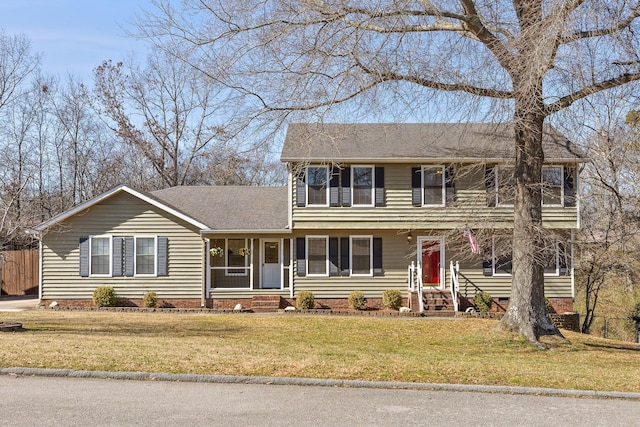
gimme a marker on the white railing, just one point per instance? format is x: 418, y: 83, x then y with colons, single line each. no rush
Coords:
x: 415, y: 282
x: 455, y: 283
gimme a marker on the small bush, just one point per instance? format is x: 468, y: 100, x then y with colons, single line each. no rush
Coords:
x: 305, y: 300
x: 105, y: 296
x: 392, y: 299
x: 150, y: 300
x: 483, y: 301
x: 634, y: 313
x: 357, y: 300
x: 547, y: 304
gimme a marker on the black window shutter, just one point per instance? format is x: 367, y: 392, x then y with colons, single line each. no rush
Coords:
x: 487, y: 268
x: 128, y: 256
x: 450, y: 185
x: 301, y: 266
x: 117, y: 256
x: 416, y: 187
x: 301, y: 190
x: 344, y: 256
x: 490, y: 185
x: 84, y: 257
x: 379, y: 172
x: 334, y: 187
x: 163, y: 256
x: 346, y: 186
x: 334, y: 269
x: 569, y: 186
x: 377, y: 256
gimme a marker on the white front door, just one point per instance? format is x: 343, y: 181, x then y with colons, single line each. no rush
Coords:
x: 271, y: 269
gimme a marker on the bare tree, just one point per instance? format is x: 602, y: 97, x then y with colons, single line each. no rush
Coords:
x: 172, y: 116
x: 530, y: 58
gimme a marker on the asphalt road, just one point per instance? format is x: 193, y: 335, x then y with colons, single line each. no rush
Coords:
x: 54, y: 401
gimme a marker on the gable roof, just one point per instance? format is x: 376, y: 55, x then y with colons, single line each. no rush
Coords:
x: 398, y: 142
x: 231, y: 208
x: 117, y: 190
x: 207, y: 208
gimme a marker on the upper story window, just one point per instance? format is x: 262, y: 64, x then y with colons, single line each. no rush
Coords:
x: 558, y: 186
x: 505, y: 186
x: 552, y: 185
x: 340, y: 186
x: 100, y: 256
x: 362, y: 183
x: 317, y: 184
x: 433, y: 186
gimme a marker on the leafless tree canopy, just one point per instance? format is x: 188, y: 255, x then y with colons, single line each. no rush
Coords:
x: 527, y: 59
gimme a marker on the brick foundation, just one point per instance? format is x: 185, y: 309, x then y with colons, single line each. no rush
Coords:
x: 500, y: 305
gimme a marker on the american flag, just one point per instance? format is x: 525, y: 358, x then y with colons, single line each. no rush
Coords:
x: 472, y: 241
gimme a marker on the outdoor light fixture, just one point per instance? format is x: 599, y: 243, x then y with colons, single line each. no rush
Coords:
x: 409, y: 237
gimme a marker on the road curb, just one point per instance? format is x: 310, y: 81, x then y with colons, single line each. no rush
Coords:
x: 232, y: 379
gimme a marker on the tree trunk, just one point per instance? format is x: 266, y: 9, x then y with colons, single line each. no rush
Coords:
x: 527, y: 313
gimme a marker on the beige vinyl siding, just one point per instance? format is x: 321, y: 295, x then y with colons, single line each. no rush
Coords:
x: 471, y: 208
x: 397, y: 255
x: 394, y: 265
x: 500, y: 286
x: 119, y: 216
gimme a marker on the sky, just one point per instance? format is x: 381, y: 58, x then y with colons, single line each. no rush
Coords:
x: 74, y: 36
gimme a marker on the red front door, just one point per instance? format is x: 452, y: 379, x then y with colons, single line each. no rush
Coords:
x: 431, y: 263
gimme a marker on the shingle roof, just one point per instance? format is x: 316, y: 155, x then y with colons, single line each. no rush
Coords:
x: 230, y: 207
x: 415, y: 141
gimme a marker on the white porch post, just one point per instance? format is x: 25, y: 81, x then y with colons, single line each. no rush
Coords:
x: 205, y: 272
x: 251, y: 265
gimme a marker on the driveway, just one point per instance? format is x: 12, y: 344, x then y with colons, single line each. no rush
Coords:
x: 18, y: 303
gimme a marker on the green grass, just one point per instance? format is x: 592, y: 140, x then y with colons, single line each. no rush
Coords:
x: 465, y: 351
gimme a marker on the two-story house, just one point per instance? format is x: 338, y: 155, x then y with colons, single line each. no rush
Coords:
x: 422, y: 208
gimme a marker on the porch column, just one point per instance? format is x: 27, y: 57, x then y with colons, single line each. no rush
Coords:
x: 251, y: 265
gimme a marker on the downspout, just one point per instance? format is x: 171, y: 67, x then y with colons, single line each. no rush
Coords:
x: 40, y: 264
x: 203, y: 297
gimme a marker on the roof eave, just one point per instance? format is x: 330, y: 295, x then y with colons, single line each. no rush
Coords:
x: 104, y: 196
x: 424, y: 160
x: 246, y: 231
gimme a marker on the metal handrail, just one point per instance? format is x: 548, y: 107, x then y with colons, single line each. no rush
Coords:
x: 455, y: 284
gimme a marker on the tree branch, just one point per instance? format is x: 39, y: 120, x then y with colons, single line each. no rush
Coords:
x: 566, y: 101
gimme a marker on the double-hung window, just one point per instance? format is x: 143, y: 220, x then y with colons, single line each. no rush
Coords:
x: 361, y: 255
x: 317, y: 185
x: 552, y: 185
x: 502, y: 256
x: 145, y: 258
x: 505, y: 186
x: 362, y: 183
x: 317, y: 255
x: 100, y: 255
x: 433, y: 186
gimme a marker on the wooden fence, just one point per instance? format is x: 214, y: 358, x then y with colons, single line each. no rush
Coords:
x: 19, y: 272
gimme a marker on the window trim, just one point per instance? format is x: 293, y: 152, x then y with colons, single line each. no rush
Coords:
x: 553, y: 205
x: 326, y: 260
x: 493, y: 260
x: 496, y: 171
x: 326, y: 189
x: 372, y: 189
x: 443, y: 196
x: 109, y: 254
x: 227, y: 267
x: 362, y: 237
x: 135, y: 255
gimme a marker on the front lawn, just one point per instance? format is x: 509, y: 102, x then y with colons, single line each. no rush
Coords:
x: 463, y: 351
